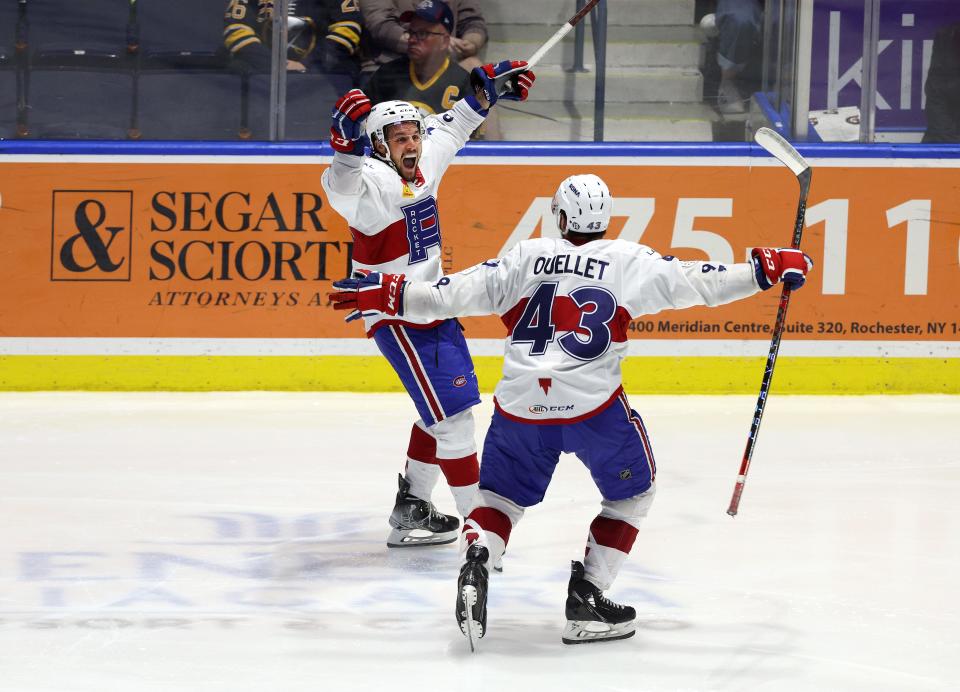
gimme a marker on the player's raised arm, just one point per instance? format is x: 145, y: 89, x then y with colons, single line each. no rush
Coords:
x: 668, y: 283
x: 343, y: 180
x: 348, y: 116
x: 505, y: 80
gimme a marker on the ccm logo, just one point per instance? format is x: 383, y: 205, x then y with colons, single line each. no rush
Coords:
x: 460, y: 381
x: 539, y: 409
x: 393, y: 290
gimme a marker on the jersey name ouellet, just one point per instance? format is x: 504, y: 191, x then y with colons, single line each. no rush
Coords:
x: 560, y: 264
x: 566, y: 308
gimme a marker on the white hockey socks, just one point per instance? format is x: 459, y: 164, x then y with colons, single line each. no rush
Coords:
x: 611, y: 537
x: 463, y: 476
x: 422, y: 478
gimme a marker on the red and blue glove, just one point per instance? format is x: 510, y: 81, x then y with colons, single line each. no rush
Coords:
x: 510, y: 80
x: 369, y: 293
x: 773, y: 265
x: 348, y: 114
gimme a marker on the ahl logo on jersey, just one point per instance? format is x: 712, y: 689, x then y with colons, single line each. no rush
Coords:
x: 423, y: 228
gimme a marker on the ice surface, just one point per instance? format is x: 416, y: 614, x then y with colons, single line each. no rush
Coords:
x: 160, y: 541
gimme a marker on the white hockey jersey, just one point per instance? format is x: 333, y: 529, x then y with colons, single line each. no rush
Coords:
x: 396, y: 225
x: 567, y: 309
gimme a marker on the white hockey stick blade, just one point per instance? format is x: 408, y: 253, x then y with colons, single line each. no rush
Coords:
x: 781, y: 149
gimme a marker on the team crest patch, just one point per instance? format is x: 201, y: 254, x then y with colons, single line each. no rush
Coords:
x: 460, y: 381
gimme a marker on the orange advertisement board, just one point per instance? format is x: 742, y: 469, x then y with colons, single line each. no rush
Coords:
x: 222, y: 248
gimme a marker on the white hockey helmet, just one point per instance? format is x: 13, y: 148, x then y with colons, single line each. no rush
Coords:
x: 585, y: 201
x: 391, y: 113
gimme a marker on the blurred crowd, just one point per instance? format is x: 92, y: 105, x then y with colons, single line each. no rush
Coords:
x: 107, y: 69
x: 419, y: 51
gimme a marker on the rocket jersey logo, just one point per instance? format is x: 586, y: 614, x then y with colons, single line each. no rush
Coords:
x: 423, y: 228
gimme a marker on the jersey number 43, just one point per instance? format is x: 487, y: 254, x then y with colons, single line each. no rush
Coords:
x: 585, y: 316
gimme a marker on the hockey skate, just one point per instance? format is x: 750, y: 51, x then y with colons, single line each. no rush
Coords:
x: 417, y: 522
x: 591, y: 617
x: 472, y: 595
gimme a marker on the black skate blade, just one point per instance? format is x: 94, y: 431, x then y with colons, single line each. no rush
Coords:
x: 584, y: 632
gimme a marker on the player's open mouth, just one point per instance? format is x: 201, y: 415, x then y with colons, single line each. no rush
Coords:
x: 409, y: 161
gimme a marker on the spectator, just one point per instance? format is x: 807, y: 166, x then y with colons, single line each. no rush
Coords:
x: 389, y: 36
x: 425, y: 76
x: 943, y: 87
x: 738, y: 27
x: 248, y: 33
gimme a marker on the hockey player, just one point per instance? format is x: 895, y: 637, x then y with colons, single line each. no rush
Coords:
x: 389, y: 201
x: 566, y: 303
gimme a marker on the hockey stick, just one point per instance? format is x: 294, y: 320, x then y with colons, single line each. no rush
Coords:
x: 561, y: 32
x: 788, y: 156
x: 506, y: 82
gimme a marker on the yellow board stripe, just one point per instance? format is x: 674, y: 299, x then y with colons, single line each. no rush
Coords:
x: 642, y: 375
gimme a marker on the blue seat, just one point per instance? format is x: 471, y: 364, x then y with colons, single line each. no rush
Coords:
x: 79, y: 104
x: 310, y: 96
x: 186, y: 33
x: 99, y: 26
x: 185, y: 89
x: 187, y: 104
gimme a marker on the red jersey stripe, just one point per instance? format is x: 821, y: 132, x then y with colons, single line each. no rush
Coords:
x: 385, y: 246
x: 566, y: 316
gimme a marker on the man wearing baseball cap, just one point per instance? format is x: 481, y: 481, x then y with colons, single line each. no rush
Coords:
x: 387, y: 35
x: 432, y: 11
x: 426, y: 76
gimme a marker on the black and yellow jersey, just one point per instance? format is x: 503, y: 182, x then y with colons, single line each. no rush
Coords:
x: 397, y: 80
x: 248, y: 30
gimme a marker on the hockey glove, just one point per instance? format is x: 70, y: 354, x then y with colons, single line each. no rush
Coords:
x: 510, y: 80
x: 349, y: 114
x: 773, y: 265
x: 369, y: 293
